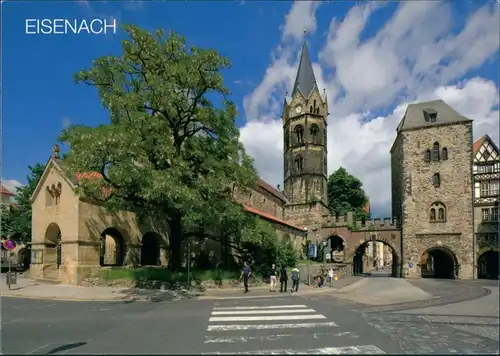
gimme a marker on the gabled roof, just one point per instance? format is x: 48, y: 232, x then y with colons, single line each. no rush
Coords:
x: 478, y: 143
x: 481, y: 140
x: 417, y: 115
x: 485, y: 150
x: 305, y: 80
x: 7, y: 192
x: 59, y: 165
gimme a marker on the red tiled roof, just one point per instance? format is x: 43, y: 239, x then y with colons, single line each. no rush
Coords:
x: 270, y: 189
x: 88, y: 175
x: 478, y: 143
x: 366, y: 208
x: 269, y: 217
x: 91, y: 176
x: 5, y: 191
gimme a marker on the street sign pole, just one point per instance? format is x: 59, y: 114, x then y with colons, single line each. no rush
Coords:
x: 189, y: 264
x: 8, y: 273
x: 9, y: 245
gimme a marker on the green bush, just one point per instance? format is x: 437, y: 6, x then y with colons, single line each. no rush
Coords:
x: 164, y: 275
x: 262, y: 256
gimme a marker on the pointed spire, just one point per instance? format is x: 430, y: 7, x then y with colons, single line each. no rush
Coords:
x: 305, y: 80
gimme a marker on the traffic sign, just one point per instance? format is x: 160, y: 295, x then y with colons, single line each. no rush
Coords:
x: 9, y: 244
x: 410, y: 265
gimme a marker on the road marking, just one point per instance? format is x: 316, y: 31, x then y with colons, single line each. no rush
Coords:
x: 270, y: 326
x: 267, y: 317
x: 262, y: 307
x: 269, y: 311
x: 235, y: 339
x: 359, y: 349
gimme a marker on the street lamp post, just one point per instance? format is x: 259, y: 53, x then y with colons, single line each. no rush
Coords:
x: 325, y: 243
x: 308, y: 260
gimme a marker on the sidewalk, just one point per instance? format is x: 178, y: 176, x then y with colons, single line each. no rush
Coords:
x: 31, y: 289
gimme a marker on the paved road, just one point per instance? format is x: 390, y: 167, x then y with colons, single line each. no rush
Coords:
x: 225, y: 326
x: 280, y: 325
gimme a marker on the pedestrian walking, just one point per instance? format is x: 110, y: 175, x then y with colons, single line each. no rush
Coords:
x: 295, y: 279
x: 272, y: 278
x: 245, y: 274
x: 283, y: 279
x: 330, y: 275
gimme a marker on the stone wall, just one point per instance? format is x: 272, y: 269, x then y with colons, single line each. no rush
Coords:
x: 455, y: 233
x: 260, y: 199
x: 397, y: 183
x: 309, y: 216
x: 52, y: 218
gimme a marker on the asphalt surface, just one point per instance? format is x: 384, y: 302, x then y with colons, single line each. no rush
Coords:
x: 281, y: 325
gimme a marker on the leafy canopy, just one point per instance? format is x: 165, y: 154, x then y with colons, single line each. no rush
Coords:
x: 16, y: 220
x: 171, y: 148
x: 345, y: 193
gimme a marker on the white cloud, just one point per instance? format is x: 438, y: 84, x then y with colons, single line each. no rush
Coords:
x: 302, y: 17
x: 11, y: 184
x: 415, y: 56
x: 66, y: 122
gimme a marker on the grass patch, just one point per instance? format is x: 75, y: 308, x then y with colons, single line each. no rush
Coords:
x: 165, y: 275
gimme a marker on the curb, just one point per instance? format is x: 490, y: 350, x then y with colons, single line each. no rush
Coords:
x: 68, y: 299
x: 77, y: 299
x: 299, y: 294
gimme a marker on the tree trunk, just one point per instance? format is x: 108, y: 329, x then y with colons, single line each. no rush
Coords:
x: 175, y: 245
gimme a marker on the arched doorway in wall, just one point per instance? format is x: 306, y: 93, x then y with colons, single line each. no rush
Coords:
x: 487, y: 265
x: 337, y: 245
x: 150, y: 249
x: 112, y: 251
x: 439, y: 262
x: 363, y: 258
x: 53, y: 238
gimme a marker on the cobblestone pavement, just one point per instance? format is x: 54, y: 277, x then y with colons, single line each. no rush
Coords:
x: 458, y: 320
x: 438, y: 333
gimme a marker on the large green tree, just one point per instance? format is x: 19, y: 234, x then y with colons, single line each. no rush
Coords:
x: 171, y: 149
x: 345, y: 193
x: 16, y: 219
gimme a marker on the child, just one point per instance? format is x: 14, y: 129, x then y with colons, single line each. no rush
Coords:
x: 330, y: 275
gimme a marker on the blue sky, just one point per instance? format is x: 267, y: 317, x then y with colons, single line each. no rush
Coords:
x: 39, y: 92
x: 370, y: 70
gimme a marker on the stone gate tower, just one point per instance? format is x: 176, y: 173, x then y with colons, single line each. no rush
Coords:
x: 305, y: 146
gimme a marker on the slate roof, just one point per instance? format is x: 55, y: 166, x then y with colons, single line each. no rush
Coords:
x: 305, y: 80
x: 271, y: 190
x: 415, y: 116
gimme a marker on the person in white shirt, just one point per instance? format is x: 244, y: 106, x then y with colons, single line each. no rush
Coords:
x: 330, y: 275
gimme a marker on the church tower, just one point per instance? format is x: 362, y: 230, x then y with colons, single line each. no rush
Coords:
x: 304, y: 148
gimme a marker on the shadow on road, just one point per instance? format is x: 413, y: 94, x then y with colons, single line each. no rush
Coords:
x: 65, y: 347
x: 131, y: 295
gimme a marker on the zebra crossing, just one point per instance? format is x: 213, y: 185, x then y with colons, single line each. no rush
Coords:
x: 277, y: 330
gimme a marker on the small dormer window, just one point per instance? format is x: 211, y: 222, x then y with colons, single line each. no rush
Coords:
x: 430, y: 115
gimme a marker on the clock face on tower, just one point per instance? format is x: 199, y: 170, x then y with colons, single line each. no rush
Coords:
x: 298, y: 109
